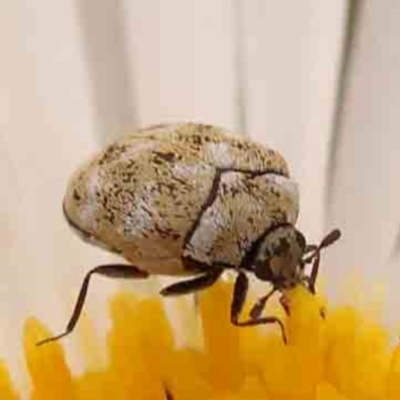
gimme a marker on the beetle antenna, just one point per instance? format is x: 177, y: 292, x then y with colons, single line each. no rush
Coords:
x: 328, y: 240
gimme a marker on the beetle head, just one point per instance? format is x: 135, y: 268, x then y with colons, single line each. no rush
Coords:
x: 279, y: 257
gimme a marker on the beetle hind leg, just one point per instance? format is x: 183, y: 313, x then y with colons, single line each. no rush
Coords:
x: 239, y: 297
x: 110, y: 271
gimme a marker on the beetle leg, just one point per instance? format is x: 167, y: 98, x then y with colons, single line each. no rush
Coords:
x: 239, y: 298
x: 111, y: 271
x: 192, y: 285
x: 259, y: 306
x: 285, y: 303
x: 314, y: 273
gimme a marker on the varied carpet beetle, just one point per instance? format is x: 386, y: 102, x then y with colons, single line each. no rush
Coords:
x: 192, y: 199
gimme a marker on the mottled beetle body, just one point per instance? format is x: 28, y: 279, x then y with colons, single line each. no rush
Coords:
x: 181, y: 191
x: 191, y: 199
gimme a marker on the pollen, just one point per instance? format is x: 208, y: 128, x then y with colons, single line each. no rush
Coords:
x: 333, y: 353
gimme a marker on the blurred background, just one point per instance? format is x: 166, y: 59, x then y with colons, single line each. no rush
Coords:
x: 318, y: 81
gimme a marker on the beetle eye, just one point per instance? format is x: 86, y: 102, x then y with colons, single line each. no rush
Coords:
x: 263, y: 271
x: 301, y: 240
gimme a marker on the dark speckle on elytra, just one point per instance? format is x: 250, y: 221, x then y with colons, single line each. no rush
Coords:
x: 236, y: 190
x: 224, y: 188
x: 104, y: 201
x: 275, y: 192
x: 112, y: 152
x: 196, y: 139
x: 76, y: 195
x: 169, y: 156
x: 110, y: 218
x: 125, y: 178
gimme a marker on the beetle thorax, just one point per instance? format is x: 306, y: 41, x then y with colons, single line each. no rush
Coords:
x: 279, y: 257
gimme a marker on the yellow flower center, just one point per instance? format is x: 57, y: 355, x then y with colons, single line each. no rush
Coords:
x: 335, y: 355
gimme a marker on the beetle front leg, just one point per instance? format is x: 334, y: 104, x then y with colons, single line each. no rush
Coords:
x: 260, y: 304
x: 239, y: 298
x: 110, y: 271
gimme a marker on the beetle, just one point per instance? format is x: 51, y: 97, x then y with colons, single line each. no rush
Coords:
x: 194, y: 200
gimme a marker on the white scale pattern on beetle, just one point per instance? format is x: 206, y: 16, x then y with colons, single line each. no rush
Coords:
x: 212, y: 224
x: 292, y: 191
x: 225, y: 231
x: 219, y: 153
x: 139, y: 220
x: 190, y: 171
